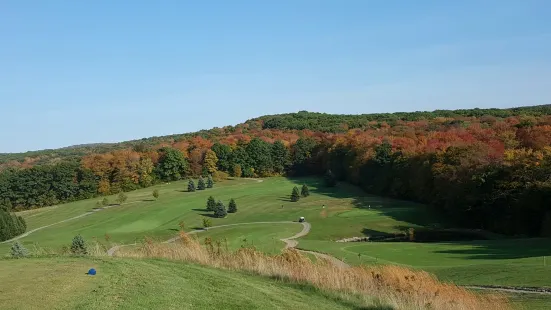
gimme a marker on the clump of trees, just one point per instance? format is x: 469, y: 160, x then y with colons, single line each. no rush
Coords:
x: 11, y: 225
x: 295, y: 196
x: 210, y: 182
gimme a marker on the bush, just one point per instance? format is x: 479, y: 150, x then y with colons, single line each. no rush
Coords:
x: 232, y: 207
x: 121, y: 198
x: 78, y: 246
x: 207, y: 223
x: 156, y: 193
x: 105, y: 202
x: 295, y: 195
x: 18, y: 250
x: 201, y: 184
x: 211, y: 204
x: 220, y: 210
x: 210, y: 182
x: 190, y: 186
x: 305, y: 192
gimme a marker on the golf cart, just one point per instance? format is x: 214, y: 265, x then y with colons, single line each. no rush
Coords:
x: 301, y: 219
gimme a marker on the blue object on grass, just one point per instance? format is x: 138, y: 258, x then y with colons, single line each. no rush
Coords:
x: 92, y: 272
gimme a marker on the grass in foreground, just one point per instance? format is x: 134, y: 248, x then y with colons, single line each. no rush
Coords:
x: 61, y: 283
x: 391, y: 286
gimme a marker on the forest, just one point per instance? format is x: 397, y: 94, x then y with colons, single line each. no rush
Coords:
x: 485, y: 168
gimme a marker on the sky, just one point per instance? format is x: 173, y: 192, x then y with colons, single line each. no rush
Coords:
x: 74, y: 72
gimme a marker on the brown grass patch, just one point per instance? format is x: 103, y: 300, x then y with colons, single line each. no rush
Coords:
x: 394, y: 286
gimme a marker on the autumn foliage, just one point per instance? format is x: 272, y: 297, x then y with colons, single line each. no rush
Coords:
x: 486, y: 169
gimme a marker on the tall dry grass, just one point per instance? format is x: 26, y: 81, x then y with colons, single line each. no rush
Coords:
x: 391, y: 286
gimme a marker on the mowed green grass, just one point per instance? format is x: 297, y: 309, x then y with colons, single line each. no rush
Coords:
x: 61, y: 283
x: 257, y: 201
x: 348, y: 212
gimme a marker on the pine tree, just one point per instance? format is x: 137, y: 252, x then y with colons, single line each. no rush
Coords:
x: 210, y: 182
x: 220, y: 210
x: 201, y: 184
x: 329, y: 179
x: 211, y: 204
x: 295, y: 196
x: 304, y: 191
x: 78, y: 246
x: 232, y: 207
x: 18, y: 250
x: 190, y: 186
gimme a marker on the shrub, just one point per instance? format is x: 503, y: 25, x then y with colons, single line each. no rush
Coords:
x: 207, y: 222
x: 201, y: 184
x: 18, y: 250
x: 78, y: 246
x: 156, y: 193
x: 220, y: 210
x: 98, y: 205
x: 121, y: 198
x: 105, y: 202
x: 232, y: 207
x: 211, y: 204
x: 210, y: 182
x: 295, y: 194
x: 304, y: 191
x: 190, y: 186
x: 182, y: 225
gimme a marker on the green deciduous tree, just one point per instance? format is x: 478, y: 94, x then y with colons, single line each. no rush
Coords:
x: 295, y: 195
x: 305, y: 191
x: 223, y: 153
x: 207, y: 223
x: 280, y: 157
x: 232, y: 207
x: 172, y: 165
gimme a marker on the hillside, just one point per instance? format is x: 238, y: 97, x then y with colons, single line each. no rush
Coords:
x: 62, y: 283
x: 483, y: 168
x: 303, y: 120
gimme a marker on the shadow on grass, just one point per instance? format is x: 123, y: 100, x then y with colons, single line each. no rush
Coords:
x: 422, y: 217
x: 148, y: 200
x: 284, y: 199
x: 200, y: 210
x: 208, y: 215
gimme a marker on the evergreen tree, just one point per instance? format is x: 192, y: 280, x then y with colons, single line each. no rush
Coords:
x: 78, y: 246
x: 211, y: 204
x: 11, y: 225
x: 295, y: 196
x: 210, y: 182
x: 304, y: 191
x: 220, y: 210
x: 156, y: 193
x: 329, y: 179
x: 190, y: 186
x: 201, y: 184
x: 232, y: 207
x: 18, y: 250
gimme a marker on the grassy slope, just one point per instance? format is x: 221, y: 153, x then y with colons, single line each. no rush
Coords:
x: 348, y: 212
x: 61, y: 283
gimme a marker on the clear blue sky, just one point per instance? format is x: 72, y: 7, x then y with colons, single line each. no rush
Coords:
x: 74, y: 72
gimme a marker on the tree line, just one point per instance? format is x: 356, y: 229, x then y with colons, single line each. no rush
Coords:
x: 484, y: 168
